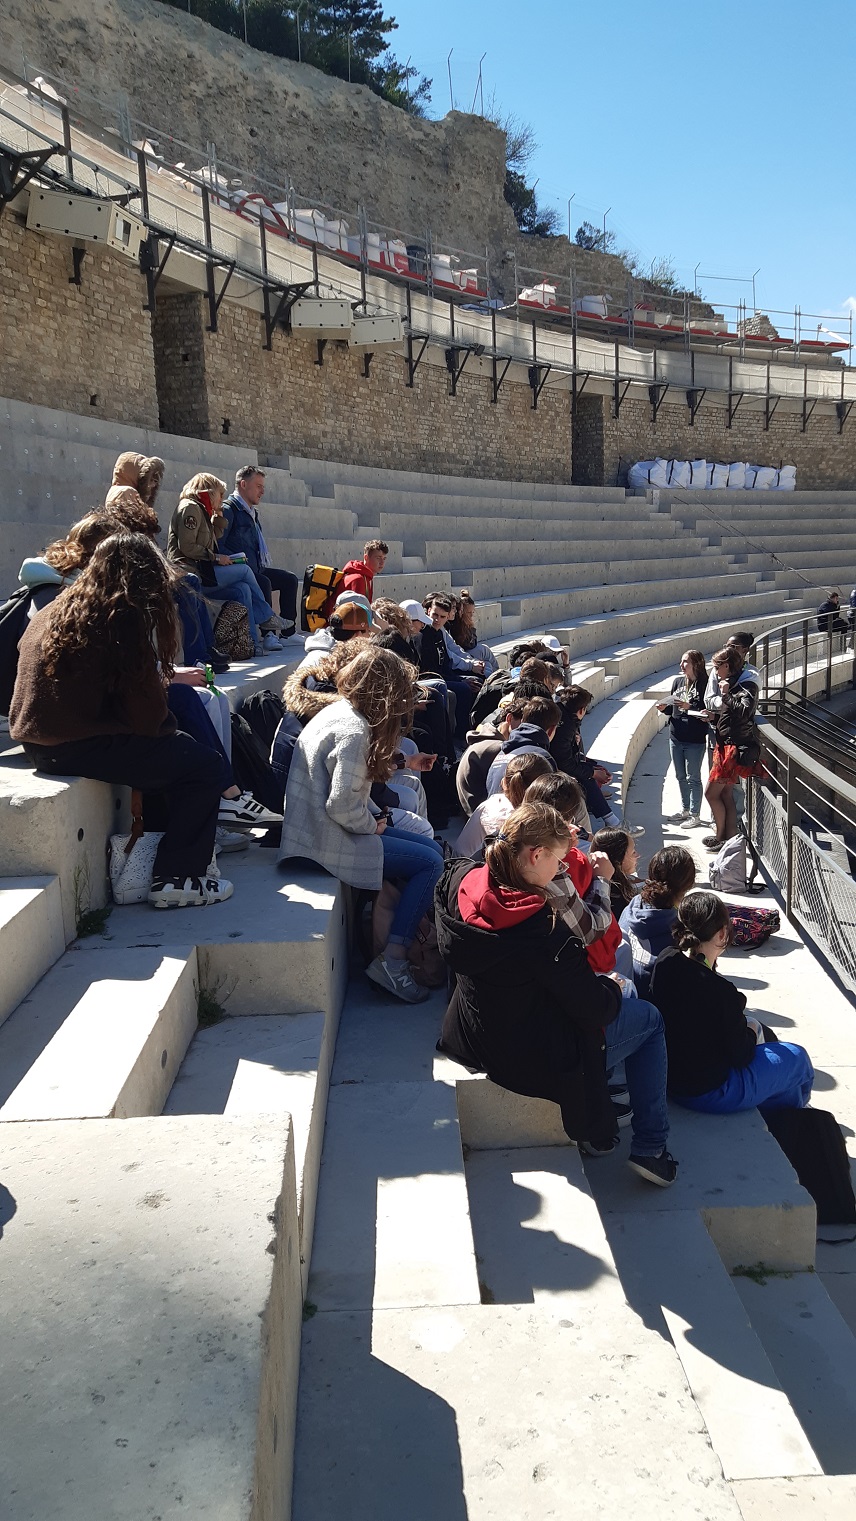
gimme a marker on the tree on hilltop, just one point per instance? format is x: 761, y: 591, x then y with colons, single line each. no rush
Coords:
x: 349, y: 39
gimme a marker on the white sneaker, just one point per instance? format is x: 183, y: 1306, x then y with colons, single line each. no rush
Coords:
x: 679, y: 818
x: 694, y: 822
x: 189, y: 892
x: 395, y: 977
x: 245, y: 812
x: 274, y: 624
x: 229, y: 839
x: 270, y: 644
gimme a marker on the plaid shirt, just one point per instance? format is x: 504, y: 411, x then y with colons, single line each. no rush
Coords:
x: 587, y: 917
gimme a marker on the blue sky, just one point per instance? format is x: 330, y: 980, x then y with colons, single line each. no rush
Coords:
x: 722, y: 134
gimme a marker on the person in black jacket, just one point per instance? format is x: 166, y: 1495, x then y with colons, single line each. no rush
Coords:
x: 828, y: 620
x: 719, y: 1061
x: 737, y: 749
x: 687, y: 715
x: 527, y: 1007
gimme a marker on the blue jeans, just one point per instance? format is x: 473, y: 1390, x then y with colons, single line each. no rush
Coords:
x: 416, y: 863
x: 197, y: 633
x: 687, y: 760
x: 779, y: 1076
x: 236, y: 583
x: 637, y: 1039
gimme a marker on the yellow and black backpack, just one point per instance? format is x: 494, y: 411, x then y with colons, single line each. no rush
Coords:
x: 320, y: 588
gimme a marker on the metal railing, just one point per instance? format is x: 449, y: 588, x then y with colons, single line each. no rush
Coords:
x: 801, y: 814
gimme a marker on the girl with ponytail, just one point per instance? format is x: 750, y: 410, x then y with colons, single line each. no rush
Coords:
x: 719, y: 1060
x: 528, y: 1009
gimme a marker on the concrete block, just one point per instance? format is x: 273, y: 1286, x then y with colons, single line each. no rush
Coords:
x: 491, y: 1118
x: 392, y: 1227
x: 278, y: 946
x: 813, y: 1353
x: 278, y: 1064
x: 821, y: 1499
x: 100, y: 1036
x: 60, y: 825
x: 669, y: 1265
x: 496, y: 1411
x: 736, y: 1176
x: 150, y: 1273
x: 32, y: 936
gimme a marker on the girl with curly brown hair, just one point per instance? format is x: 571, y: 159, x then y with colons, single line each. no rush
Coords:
x: 329, y: 817
x: 90, y: 700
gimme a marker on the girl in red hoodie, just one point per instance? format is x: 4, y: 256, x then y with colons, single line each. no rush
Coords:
x: 528, y: 1009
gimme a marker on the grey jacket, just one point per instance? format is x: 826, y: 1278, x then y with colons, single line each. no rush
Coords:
x: 327, y: 813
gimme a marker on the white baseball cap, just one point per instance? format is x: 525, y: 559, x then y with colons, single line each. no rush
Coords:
x: 551, y: 642
x: 414, y: 610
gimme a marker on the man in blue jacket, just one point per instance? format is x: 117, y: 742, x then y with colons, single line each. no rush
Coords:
x: 243, y: 535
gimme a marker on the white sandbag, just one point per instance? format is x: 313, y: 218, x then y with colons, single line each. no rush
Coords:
x: 659, y: 472
x: 700, y: 474
x: 749, y: 478
x: 765, y: 478
x: 736, y: 476
x: 787, y: 478
x: 719, y: 477
x: 679, y: 474
x: 639, y: 475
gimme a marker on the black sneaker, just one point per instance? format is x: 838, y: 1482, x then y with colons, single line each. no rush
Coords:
x: 602, y: 1148
x: 661, y: 1170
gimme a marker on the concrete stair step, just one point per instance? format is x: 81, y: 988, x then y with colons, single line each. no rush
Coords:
x: 829, y: 1499
x: 32, y: 937
x: 593, y: 632
x: 392, y: 1228
x: 669, y: 1266
x: 274, y: 1064
x: 546, y: 608
x: 278, y: 946
x: 813, y: 1354
x: 582, y: 559
x: 151, y: 1272
x: 370, y: 477
x: 100, y: 1037
x: 490, y: 527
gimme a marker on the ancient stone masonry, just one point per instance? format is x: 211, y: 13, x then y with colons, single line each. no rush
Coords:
x: 605, y: 447
x: 225, y: 386
x: 83, y: 348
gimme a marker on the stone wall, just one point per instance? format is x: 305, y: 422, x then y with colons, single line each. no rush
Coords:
x: 605, y: 447
x: 85, y: 348
x: 283, y: 401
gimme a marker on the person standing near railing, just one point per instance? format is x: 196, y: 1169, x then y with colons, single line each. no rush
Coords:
x: 736, y: 750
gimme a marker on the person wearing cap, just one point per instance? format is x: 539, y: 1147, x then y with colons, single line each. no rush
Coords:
x: 351, y: 616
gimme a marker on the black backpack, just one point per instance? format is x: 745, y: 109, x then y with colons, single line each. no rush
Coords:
x: 813, y: 1144
x: 263, y: 712
x: 13, y: 623
x: 251, y: 768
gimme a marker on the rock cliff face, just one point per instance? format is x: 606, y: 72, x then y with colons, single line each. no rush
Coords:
x: 274, y: 119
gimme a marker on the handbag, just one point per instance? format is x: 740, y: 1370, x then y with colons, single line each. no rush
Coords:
x: 232, y: 632
x: 131, y: 858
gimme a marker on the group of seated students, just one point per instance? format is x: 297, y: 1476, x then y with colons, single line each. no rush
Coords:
x: 572, y: 981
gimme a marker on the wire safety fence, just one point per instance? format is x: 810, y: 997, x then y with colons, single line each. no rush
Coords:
x: 823, y: 899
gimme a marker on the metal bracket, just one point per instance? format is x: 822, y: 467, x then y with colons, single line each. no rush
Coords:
x: 455, y: 368
x: 17, y: 169
x: 78, y: 255
x: 656, y: 396
x: 734, y: 400
x: 843, y: 410
x: 695, y: 397
x: 498, y: 378
x: 414, y: 362
x: 368, y: 356
x: 151, y: 267
x: 770, y: 405
x: 288, y: 295
x: 618, y: 395
x: 807, y: 410
x: 214, y: 300
x: 322, y: 344
x: 538, y: 379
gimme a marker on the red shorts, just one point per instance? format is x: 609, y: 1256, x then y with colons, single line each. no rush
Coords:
x: 725, y: 767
